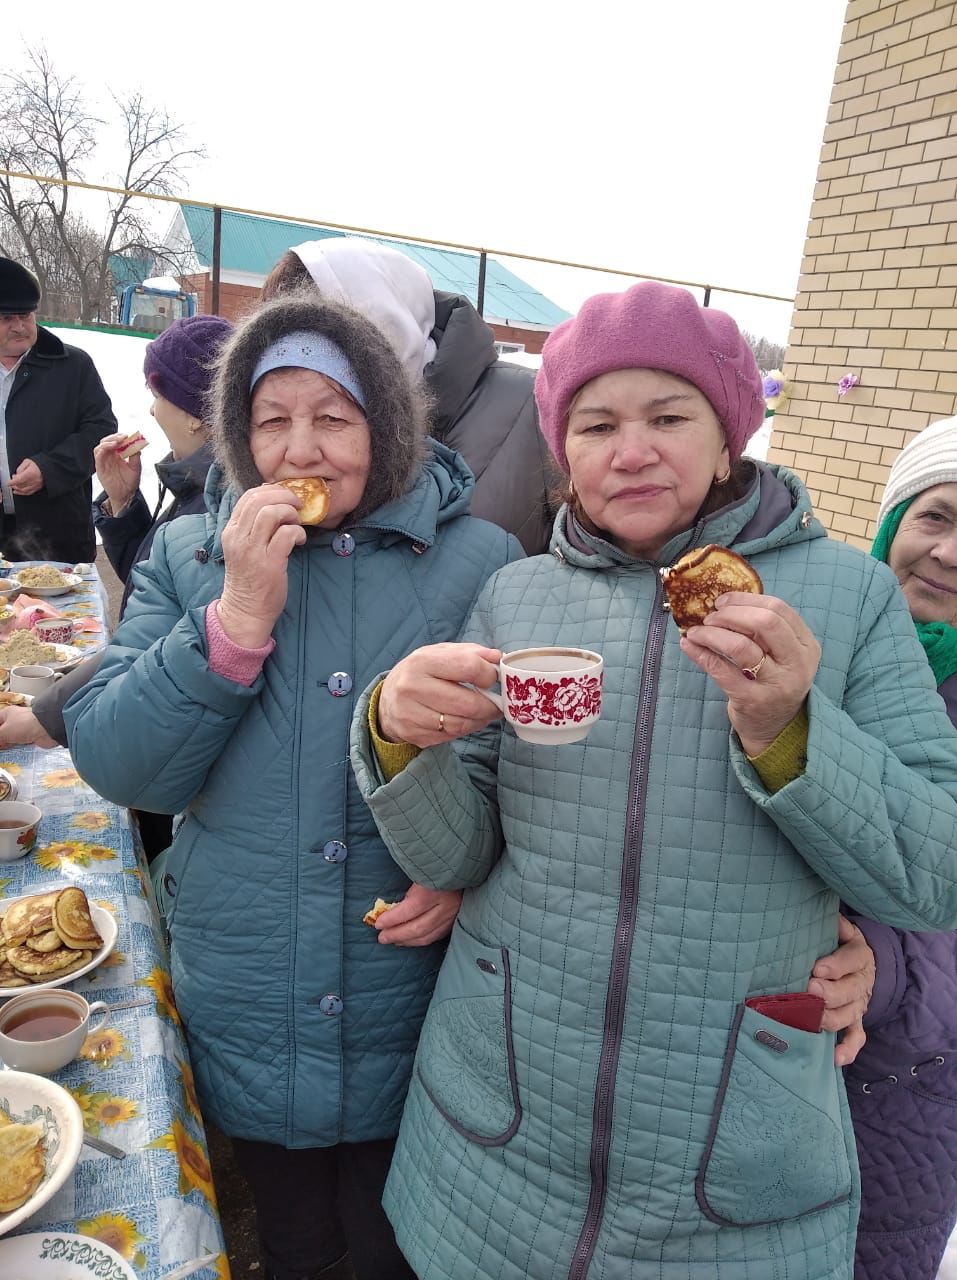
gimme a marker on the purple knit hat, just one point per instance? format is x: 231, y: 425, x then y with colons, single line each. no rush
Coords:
x: 177, y: 363
x: 651, y: 326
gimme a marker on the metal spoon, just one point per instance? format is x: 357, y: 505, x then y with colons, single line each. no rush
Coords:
x: 106, y: 1147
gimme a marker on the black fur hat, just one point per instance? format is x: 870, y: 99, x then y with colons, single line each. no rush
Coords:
x: 396, y: 410
x: 19, y: 291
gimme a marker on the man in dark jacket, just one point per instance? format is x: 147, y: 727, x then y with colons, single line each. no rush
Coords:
x: 53, y: 411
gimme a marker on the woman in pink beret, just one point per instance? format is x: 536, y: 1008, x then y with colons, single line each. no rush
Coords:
x: 622, y: 1073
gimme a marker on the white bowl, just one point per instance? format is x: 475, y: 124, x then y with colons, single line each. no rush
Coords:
x: 26, y: 1098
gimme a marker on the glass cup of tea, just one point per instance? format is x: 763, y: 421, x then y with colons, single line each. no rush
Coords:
x: 41, y: 1031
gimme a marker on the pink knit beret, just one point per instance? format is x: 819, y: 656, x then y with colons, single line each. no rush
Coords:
x: 651, y: 326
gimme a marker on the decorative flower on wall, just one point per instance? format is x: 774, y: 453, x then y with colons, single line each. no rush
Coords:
x: 847, y: 383
x: 776, y: 389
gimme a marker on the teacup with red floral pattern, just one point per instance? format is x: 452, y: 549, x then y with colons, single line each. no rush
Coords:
x: 550, y: 695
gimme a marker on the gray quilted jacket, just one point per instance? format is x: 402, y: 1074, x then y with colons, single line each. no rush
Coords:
x: 592, y: 1097
x: 301, y: 1028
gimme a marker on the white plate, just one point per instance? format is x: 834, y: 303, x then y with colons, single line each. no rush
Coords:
x: 68, y: 655
x: 105, y: 927
x: 27, y: 1098
x: 55, y: 1255
x: 73, y: 580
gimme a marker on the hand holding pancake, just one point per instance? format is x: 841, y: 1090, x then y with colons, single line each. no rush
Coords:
x: 764, y: 656
x: 257, y: 543
x: 756, y: 647
x: 424, y: 698
x: 422, y: 916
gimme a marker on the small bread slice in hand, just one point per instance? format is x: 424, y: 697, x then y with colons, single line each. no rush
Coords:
x: 132, y: 445
x: 314, y: 493
x: 379, y: 906
x: 694, y: 582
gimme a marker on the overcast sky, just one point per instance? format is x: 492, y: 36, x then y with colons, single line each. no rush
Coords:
x: 679, y: 139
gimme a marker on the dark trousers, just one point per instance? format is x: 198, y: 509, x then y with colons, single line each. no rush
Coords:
x: 315, y: 1205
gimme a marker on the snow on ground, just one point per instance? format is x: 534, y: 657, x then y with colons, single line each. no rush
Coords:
x: 119, y: 360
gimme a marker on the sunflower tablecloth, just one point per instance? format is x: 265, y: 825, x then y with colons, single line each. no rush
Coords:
x: 132, y: 1080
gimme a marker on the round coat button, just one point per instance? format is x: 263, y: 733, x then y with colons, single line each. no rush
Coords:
x: 339, y: 684
x: 343, y: 544
x: 334, y: 851
x: 331, y: 1006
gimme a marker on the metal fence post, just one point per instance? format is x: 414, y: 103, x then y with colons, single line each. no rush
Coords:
x: 707, y: 295
x: 217, y: 253
x: 480, y: 301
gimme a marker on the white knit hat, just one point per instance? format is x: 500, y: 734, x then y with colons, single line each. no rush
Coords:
x: 930, y: 459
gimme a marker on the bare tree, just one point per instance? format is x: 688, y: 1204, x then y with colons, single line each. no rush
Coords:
x: 48, y: 128
x: 768, y: 354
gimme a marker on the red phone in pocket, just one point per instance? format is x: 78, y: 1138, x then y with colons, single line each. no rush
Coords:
x: 798, y: 1009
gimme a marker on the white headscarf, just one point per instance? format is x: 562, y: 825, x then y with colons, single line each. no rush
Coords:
x: 382, y: 284
x: 928, y: 460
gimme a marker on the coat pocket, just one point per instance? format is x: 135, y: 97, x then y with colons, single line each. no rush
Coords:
x: 466, y: 1062
x: 168, y: 872
x: 777, y: 1147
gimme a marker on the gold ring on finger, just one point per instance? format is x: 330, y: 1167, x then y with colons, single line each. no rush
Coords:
x: 751, y: 673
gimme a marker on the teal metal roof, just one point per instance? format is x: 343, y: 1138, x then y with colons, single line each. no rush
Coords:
x: 129, y: 269
x: 256, y: 244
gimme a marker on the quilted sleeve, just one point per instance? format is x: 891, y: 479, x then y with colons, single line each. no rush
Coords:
x: 875, y: 810
x: 439, y: 816
x: 152, y: 720
x: 890, y: 978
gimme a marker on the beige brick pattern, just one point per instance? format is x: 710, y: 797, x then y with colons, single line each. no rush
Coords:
x: 877, y: 294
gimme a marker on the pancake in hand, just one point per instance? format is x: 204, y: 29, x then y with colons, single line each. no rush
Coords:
x: 377, y: 909
x: 694, y: 582
x: 314, y: 493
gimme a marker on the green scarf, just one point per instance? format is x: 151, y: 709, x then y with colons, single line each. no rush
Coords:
x: 938, y: 638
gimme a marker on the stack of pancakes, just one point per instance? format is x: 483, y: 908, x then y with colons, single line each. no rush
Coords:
x: 46, y: 936
x: 22, y: 1161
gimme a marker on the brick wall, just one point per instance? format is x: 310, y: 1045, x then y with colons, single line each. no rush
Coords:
x: 878, y: 288
x: 534, y: 339
x: 235, y: 300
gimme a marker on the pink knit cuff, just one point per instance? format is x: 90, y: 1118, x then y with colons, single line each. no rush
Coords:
x: 230, y: 660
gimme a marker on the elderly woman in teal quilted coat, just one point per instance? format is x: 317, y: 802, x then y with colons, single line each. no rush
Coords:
x: 593, y: 1097
x: 226, y: 694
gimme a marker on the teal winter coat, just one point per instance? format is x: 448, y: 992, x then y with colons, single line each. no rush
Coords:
x: 592, y: 1098
x: 302, y: 1027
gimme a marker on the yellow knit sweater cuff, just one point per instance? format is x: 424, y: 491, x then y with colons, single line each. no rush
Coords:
x: 785, y: 759
x: 392, y: 756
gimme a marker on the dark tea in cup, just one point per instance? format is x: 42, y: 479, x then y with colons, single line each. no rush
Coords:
x: 41, y: 1031
x: 43, y: 1022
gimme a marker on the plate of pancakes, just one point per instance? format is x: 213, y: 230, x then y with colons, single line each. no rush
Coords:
x: 41, y: 1133
x: 51, y: 938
